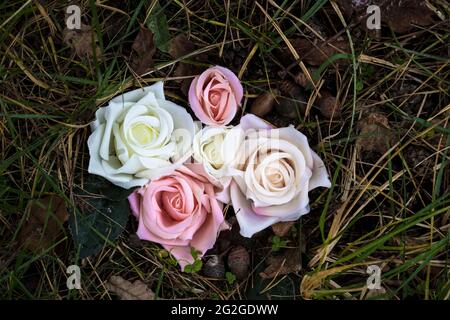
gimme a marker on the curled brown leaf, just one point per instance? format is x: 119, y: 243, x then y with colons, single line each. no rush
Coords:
x: 288, y: 262
x: 44, y: 225
x: 83, y: 42
x: 127, y: 290
x: 143, y: 51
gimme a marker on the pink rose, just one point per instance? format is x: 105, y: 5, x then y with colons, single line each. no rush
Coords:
x: 179, y: 211
x: 215, y: 95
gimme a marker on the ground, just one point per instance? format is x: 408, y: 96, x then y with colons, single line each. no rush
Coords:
x: 374, y: 105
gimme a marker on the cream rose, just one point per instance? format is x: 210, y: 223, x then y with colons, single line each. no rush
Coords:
x: 139, y: 136
x: 276, y: 170
x: 216, y: 148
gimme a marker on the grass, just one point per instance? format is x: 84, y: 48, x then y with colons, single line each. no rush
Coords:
x: 390, y: 209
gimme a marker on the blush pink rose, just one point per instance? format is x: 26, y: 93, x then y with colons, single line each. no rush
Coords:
x: 179, y: 211
x: 275, y: 172
x: 215, y: 95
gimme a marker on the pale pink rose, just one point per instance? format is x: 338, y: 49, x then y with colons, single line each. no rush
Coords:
x: 179, y: 211
x: 276, y: 170
x: 215, y: 95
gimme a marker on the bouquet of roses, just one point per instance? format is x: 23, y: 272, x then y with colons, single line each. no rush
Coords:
x: 186, y: 173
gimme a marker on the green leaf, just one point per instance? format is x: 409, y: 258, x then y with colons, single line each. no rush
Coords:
x: 198, y: 265
x: 100, y: 216
x: 194, y: 253
x: 194, y: 267
x: 359, y: 85
x: 157, y: 23
x: 277, y: 243
x: 188, y: 268
x: 99, y: 185
x: 231, y: 278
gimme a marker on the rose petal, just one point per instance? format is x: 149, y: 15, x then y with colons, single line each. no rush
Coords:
x: 206, y: 236
x: 181, y: 253
x: 136, y: 95
x: 135, y: 203
x: 195, y: 104
x: 319, y: 174
x: 96, y: 164
x: 291, y: 210
x: 250, y: 121
x: 235, y: 84
x: 299, y: 140
x: 249, y: 222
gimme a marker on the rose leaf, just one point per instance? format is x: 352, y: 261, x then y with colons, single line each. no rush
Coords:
x: 157, y: 23
x: 99, y: 217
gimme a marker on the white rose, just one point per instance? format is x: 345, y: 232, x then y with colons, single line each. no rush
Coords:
x: 277, y: 169
x: 216, y: 148
x: 139, y: 136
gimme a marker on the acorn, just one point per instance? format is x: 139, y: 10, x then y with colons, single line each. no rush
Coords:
x: 224, y: 244
x: 214, y: 267
x: 239, y: 262
x: 263, y: 104
x: 281, y: 229
x: 328, y: 105
x: 292, y: 102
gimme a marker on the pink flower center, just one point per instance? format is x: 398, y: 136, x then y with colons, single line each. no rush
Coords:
x: 214, y: 98
x: 174, y: 205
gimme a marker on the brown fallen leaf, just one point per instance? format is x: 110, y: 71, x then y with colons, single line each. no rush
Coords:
x: 401, y: 16
x: 281, y: 229
x: 179, y: 47
x: 82, y: 41
x: 127, y: 290
x: 44, y: 225
x: 375, y: 134
x: 316, y: 52
x: 288, y: 262
x: 143, y: 51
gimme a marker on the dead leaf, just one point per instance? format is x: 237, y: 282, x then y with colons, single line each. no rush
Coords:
x: 375, y: 134
x: 288, y: 262
x: 401, y: 16
x: 281, y: 229
x: 127, y: 290
x: 316, y: 52
x: 179, y: 47
x: 83, y: 41
x: 44, y: 224
x: 143, y: 51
